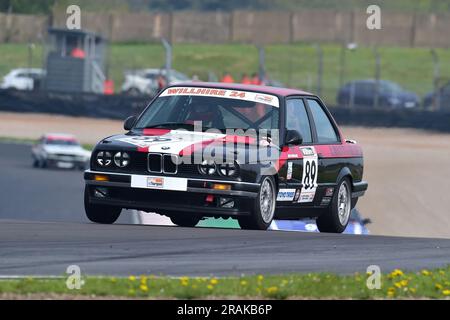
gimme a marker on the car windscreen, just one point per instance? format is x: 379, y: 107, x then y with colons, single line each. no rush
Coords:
x: 180, y: 107
x: 61, y: 142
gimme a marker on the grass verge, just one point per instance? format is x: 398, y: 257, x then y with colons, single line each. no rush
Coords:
x: 434, y: 284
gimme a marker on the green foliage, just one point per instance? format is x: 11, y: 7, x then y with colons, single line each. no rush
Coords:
x: 26, y: 6
x: 433, y: 284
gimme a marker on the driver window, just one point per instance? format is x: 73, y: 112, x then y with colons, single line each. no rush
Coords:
x: 297, y: 119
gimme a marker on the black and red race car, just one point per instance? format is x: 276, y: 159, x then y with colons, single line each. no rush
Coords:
x: 253, y: 153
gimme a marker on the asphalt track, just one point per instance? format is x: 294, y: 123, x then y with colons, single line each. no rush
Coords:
x: 43, y: 231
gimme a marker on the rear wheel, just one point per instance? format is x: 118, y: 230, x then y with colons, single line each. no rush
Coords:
x: 188, y: 221
x: 335, y: 218
x: 100, y: 213
x: 264, y: 207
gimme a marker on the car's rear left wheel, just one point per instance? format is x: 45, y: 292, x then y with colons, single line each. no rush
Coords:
x: 100, y: 213
x: 264, y: 207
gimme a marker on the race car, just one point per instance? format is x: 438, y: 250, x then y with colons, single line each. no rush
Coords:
x: 254, y: 153
x: 59, y: 150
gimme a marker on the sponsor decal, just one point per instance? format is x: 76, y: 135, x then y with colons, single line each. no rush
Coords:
x: 291, y: 155
x: 155, y: 182
x: 146, y: 141
x: 289, y: 171
x: 286, y: 195
x: 310, y: 173
x: 309, y: 151
x: 297, y: 195
x: 325, y: 201
x: 222, y: 93
x: 263, y: 98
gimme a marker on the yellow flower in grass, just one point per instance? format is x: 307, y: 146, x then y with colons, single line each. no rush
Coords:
x: 441, y: 272
x: 446, y: 292
x: 396, y: 273
x: 272, y: 290
x: 143, y: 287
x: 113, y: 280
x: 214, y: 281
x: 404, y: 283
x: 413, y: 290
x: 210, y: 287
x: 425, y: 272
x: 132, y: 278
x: 438, y: 286
x: 260, y: 278
x: 143, y: 279
x: 243, y: 283
x: 391, y: 292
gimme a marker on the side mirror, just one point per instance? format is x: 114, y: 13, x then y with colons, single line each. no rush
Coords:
x: 129, y: 123
x: 293, y: 137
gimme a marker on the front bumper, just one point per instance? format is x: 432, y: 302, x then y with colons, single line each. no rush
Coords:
x: 195, y: 195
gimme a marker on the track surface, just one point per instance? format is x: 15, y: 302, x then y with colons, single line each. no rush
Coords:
x: 34, y: 247
x: 48, y: 248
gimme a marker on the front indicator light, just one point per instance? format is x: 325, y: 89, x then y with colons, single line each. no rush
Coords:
x: 99, y: 177
x: 220, y: 186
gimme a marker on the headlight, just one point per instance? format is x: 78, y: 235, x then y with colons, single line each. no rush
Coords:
x: 121, y: 159
x: 207, y: 167
x: 228, y: 169
x: 104, y: 158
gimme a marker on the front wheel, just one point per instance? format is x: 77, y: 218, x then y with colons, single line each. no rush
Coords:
x: 264, y: 207
x: 335, y: 218
x: 100, y: 213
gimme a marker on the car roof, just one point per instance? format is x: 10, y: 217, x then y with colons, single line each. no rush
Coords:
x: 60, y: 136
x: 246, y: 87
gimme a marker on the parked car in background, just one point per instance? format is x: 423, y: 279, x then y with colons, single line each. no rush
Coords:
x: 356, y: 224
x: 145, y: 81
x: 363, y: 93
x: 23, y: 79
x: 439, y: 99
x: 59, y: 150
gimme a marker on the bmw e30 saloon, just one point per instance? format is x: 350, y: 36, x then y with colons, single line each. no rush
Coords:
x: 253, y: 153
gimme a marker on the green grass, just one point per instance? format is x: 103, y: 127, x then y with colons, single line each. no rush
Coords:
x: 425, y: 284
x: 294, y: 65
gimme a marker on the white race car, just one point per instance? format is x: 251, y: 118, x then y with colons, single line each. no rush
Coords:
x: 61, y: 151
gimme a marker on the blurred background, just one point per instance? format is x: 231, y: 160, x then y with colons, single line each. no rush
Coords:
x: 389, y: 88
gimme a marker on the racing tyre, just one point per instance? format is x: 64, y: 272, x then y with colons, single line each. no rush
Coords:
x: 335, y: 218
x: 264, y: 207
x: 99, y: 213
x: 187, y: 221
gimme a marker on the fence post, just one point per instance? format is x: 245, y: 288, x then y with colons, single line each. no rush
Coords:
x: 436, y: 76
x: 319, y: 68
x: 168, y: 64
x: 262, y: 63
x: 376, y: 101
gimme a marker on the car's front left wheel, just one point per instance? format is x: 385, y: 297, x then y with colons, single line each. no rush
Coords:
x: 100, y: 213
x: 264, y: 207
